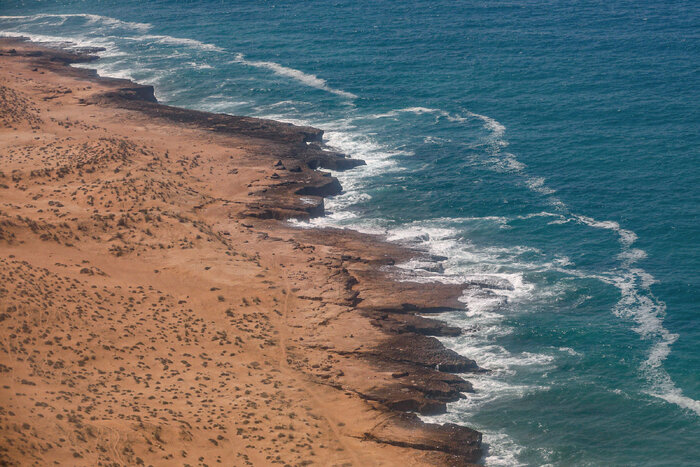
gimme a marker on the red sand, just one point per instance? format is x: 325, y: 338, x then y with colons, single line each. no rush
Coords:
x: 155, y: 309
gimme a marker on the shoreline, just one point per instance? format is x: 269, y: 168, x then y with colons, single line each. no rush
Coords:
x: 344, y: 333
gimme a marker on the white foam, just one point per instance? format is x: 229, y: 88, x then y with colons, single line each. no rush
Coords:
x: 438, y: 113
x: 342, y: 136
x: 291, y: 104
x: 675, y: 396
x: 538, y: 184
x: 396, y: 113
x: 539, y: 214
x: 305, y: 78
x: 435, y: 140
x: 485, y: 266
x: 92, y: 19
x: 663, y: 386
x: 200, y: 66
x: 570, y: 351
x: 631, y: 256
x: 69, y: 43
x: 637, y: 302
x: 507, y: 162
x: 511, y: 164
x: 501, y: 450
x: 497, y: 129
x: 223, y: 105
x: 178, y: 41
x: 112, y: 70
x: 495, y: 290
x: 627, y: 237
x: 306, y: 200
x: 560, y: 221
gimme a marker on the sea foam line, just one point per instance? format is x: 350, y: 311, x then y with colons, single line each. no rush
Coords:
x: 64, y: 41
x: 636, y: 302
x: 108, y: 22
x: 171, y: 40
x: 92, y: 19
x: 305, y: 78
x: 439, y: 113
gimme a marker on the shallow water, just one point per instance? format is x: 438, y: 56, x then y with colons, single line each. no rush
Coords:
x: 548, y: 150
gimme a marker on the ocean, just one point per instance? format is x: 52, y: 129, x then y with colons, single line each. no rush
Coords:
x: 547, y: 149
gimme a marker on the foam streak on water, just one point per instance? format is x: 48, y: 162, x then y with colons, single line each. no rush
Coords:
x: 637, y: 303
x: 306, y: 78
x: 92, y: 20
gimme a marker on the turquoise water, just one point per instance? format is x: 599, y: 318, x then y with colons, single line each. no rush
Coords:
x: 548, y: 149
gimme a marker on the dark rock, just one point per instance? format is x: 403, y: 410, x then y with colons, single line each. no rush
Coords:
x: 328, y: 187
x: 136, y: 92
x: 398, y: 323
x: 425, y: 351
x: 406, y: 430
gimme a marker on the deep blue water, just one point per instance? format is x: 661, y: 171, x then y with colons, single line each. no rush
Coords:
x: 548, y: 149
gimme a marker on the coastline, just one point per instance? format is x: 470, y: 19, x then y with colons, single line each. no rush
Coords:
x: 183, y: 208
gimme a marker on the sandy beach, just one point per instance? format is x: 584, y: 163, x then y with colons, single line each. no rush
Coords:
x: 157, y: 309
